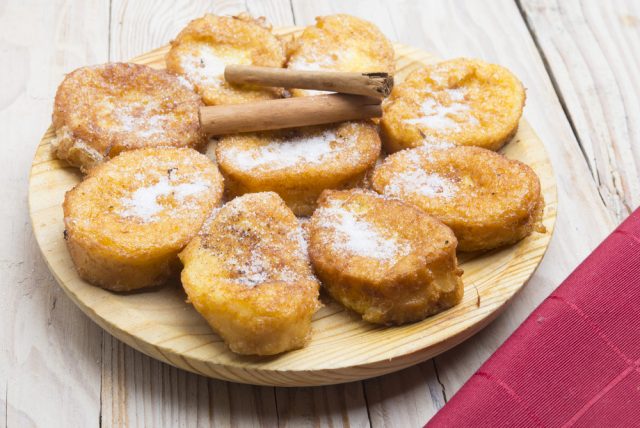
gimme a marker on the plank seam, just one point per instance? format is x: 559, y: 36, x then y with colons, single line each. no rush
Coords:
x: 567, y: 113
x: 616, y: 186
x: 554, y: 83
x: 366, y: 402
x: 101, y: 375
x: 109, y: 31
x: 435, y: 369
x: 6, y: 404
x: 293, y: 12
x: 275, y: 405
x: 102, y: 371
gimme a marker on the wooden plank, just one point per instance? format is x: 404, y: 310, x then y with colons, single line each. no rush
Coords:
x: 496, y: 32
x: 50, y: 359
x: 33, y: 371
x: 591, y: 49
x: 138, y: 390
x: 140, y: 26
x: 399, y: 399
x: 329, y: 406
x: 340, y: 405
x: 409, y: 397
x: 277, y: 12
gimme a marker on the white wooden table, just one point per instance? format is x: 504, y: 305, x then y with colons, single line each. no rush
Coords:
x: 580, y: 61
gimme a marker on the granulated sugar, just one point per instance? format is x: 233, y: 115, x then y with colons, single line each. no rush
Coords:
x: 251, y: 272
x: 297, y: 235
x: 312, y: 61
x: 185, y: 83
x: 143, y: 118
x: 260, y: 256
x: 205, y: 67
x: 430, y: 143
x: 144, y: 204
x: 356, y: 236
x: 417, y: 181
x: 312, y: 149
x: 441, y: 117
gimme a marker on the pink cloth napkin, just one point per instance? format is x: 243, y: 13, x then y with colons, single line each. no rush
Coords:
x: 575, y: 361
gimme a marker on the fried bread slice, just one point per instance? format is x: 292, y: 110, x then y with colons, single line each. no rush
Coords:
x: 128, y: 219
x: 103, y: 110
x: 298, y: 164
x: 382, y: 258
x: 248, y: 274
x: 206, y: 45
x: 462, y: 101
x: 486, y: 199
x: 340, y: 43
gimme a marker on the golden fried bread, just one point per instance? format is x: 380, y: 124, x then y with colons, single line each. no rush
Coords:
x: 340, y: 43
x: 128, y: 219
x: 248, y: 274
x: 298, y: 164
x: 103, y: 110
x: 486, y: 199
x: 204, y: 47
x: 462, y: 101
x: 382, y: 258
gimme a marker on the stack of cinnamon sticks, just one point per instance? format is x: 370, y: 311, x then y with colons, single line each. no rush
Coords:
x: 358, y: 97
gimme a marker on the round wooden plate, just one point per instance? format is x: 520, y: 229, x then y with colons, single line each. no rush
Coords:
x: 344, y: 348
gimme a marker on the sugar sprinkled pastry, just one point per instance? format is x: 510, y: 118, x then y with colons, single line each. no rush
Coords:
x: 461, y: 101
x: 127, y: 220
x: 103, y: 110
x: 486, y: 199
x: 340, y: 43
x: 382, y: 258
x: 248, y: 274
x: 207, y: 44
x: 300, y: 163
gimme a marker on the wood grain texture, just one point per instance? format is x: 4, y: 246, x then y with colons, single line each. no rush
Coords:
x: 49, y: 351
x: 162, y: 325
x: 593, y: 52
x: 140, y: 26
x: 148, y: 393
x: 125, y: 395
x: 327, y: 406
x: 494, y: 31
x: 389, y: 403
x: 404, y: 399
x: 71, y: 34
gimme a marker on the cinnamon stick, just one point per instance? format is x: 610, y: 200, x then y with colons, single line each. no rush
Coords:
x: 287, y: 113
x: 377, y: 85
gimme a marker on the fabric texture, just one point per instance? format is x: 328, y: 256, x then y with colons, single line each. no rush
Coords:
x: 575, y: 361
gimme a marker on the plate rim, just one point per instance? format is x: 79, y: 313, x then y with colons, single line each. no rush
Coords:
x: 300, y: 377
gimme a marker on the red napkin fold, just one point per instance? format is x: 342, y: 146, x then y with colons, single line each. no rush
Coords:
x: 575, y: 361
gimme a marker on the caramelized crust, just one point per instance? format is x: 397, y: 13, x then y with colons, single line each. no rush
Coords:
x: 298, y: 164
x: 203, y: 48
x: 128, y: 219
x: 486, y: 199
x: 103, y: 110
x: 248, y: 275
x: 341, y: 43
x: 382, y: 258
x: 461, y: 101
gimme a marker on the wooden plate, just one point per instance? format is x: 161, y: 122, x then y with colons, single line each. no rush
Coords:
x: 344, y: 348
